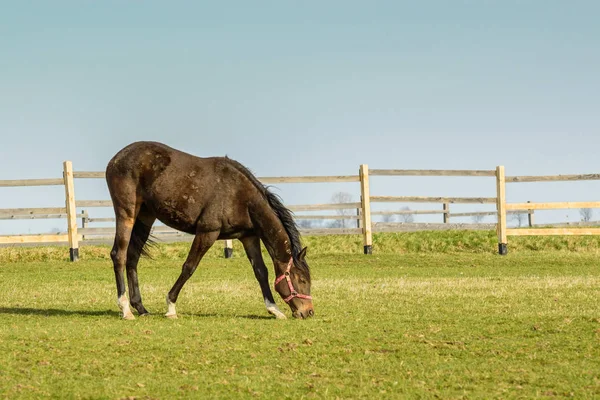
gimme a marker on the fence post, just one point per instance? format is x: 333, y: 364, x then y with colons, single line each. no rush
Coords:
x: 530, y: 216
x: 84, y: 222
x: 359, y: 216
x: 501, y: 207
x: 446, y: 213
x: 365, y: 203
x: 71, y: 210
x: 228, y: 248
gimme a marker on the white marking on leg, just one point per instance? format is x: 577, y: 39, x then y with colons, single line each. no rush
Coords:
x: 124, y: 306
x: 171, y: 311
x: 273, y: 309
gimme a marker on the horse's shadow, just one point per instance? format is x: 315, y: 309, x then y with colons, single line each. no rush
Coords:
x: 56, y: 312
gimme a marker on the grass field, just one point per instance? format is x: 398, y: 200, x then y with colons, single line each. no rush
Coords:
x: 430, y: 320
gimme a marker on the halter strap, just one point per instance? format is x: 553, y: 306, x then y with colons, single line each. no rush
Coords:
x: 293, y: 292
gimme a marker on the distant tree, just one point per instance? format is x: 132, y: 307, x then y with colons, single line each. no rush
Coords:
x: 305, y: 223
x: 340, y: 198
x: 338, y: 223
x: 519, y: 218
x: 388, y: 218
x: 586, y: 214
x: 406, y: 217
x: 477, y: 219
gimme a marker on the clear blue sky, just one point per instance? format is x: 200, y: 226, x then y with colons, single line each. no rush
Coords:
x: 303, y: 88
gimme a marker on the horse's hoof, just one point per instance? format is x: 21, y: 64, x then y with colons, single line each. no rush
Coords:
x: 146, y: 314
x: 275, y: 311
x: 171, y: 316
x: 128, y: 317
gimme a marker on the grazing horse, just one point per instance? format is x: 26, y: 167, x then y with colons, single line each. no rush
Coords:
x: 210, y: 198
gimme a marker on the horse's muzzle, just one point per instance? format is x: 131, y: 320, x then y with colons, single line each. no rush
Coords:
x: 305, y: 313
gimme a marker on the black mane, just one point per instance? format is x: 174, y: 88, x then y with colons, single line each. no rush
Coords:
x: 282, y: 212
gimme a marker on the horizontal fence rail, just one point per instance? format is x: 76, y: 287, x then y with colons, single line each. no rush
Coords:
x: 304, y: 207
x: 36, y: 238
x: 430, y: 172
x: 350, y: 217
x: 297, y: 217
x: 89, y: 175
x: 322, y: 207
x: 408, y: 212
x: 93, y: 203
x: 269, y: 179
x: 107, y: 219
x: 553, y: 178
x: 310, y: 179
x: 486, y: 213
x: 38, y: 216
x: 421, y: 199
x: 32, y: 211
x: 552, y: 206
x: 31, y: 182
x: 111, y: 230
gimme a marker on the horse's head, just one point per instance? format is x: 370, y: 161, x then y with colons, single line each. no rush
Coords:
x: 294, y: 286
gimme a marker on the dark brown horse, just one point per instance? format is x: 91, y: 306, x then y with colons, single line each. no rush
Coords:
x: 210, y: 198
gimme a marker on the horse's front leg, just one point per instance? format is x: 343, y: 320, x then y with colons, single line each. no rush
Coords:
x: 202, y: 242
x: 252, y: 248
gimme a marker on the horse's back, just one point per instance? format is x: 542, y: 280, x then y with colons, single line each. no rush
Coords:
x: 140, y: 158
x: 182, y: 190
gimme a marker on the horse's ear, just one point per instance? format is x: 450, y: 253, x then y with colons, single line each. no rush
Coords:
x: 302, y: 254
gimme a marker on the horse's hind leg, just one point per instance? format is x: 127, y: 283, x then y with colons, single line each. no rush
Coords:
x: 252, y: 248
x: 127, y: 206
x: 202, y: 242
x: 119, y: 258
x: 139, y: 237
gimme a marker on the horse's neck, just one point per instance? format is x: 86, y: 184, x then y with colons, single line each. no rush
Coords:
x: 273, y: 234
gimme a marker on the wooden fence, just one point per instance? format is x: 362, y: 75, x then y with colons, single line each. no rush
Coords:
x: 504, y: 207
x: 68, y: 211
x: 363, y: 217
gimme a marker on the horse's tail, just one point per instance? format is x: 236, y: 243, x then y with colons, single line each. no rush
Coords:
x: 141, y: 241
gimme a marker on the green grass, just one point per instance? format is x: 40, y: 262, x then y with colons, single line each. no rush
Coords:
x: 446, y: 242
x: 398, y: 324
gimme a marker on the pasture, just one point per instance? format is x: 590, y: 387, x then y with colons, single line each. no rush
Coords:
x: 429, y: 315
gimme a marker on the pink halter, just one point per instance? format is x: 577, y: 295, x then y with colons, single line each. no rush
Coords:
x: 293, y: 292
